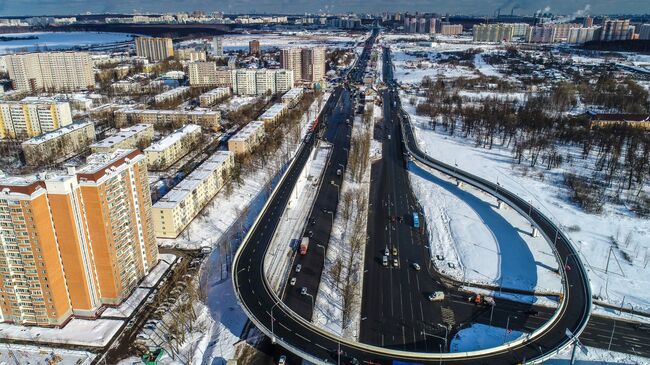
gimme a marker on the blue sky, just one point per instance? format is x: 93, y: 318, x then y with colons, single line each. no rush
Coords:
x: 478, y: 7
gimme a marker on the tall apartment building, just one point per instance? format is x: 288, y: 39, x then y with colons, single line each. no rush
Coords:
x: 582, y: 35
x: 206, y: 74
x: 291, y: 59
x: 307, y: 64
x: 51, y: 71
x: 562, y: 31
x: 313, y: 64
x: 421, y: 24
x: 154, y: 49
x: 71, y: 243
x: 59, y: 144
x: 178, y: 207
x: 588, y: 22
x: 615, y: 30
x: 541, y: 34
x: 451, y: 29
x: 519, y: 30
x: 26, y: 119
x: 493, y: 32
x: 254, y: 47
x: 644, y: 31
x: 261, y: 81
x: 189, y: 54
x: 217, y: 46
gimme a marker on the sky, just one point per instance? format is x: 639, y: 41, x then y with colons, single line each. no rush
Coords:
x: 470, y: 7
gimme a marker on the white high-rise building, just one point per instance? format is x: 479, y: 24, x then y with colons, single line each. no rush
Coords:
x: 51, y: 71
x: 217, y: 46
x: 261, y: 81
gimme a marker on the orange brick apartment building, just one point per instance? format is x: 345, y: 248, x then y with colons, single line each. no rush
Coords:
x: 70, y: 244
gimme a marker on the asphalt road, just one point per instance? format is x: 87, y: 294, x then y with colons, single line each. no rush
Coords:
x: 296, y: 334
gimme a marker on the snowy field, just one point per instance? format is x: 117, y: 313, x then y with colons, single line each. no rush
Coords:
x: 480, y: 337
x: 475, y: 242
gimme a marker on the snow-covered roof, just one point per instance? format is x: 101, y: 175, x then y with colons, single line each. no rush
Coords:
x: 248, y: 130
x: 273, y: 111
x: 124, y: 134
x: 57, y: 133
x: 164, y: 143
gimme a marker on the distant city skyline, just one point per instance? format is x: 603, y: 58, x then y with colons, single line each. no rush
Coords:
x: 469, y: 7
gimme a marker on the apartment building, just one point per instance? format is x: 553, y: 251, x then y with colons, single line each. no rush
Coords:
x: 137, y: 136
x: 247, y: 138
x: 172, y: 95
x: 293, y: 96
x: 217, y: 46
x: 254, y: 47
x: 59, y: 144
x: 562, y: 30
x: 644, y: 31
x: 493, y: 33
x: 261, y: 81
x: 582, y: 35
x: 273, y: 114
x: 154, y: 49
x: 451, y: 29
x: 541, y: 34
x: 206, y: 74
x: 178, y: 207
x: 25, y: 119
x: 615, y: 30
x: 75, y: 242
x: 211, y: 97
x: 164, y: 153
x: 307, y: 64
x: 190, y: 54
x: 207, y: 119
x: 291, y: 59
x: 51, y: 71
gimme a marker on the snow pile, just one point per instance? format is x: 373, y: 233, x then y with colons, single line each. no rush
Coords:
x: 480, y: 337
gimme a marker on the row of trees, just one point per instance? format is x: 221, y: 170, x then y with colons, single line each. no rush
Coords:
x: 539, y: 132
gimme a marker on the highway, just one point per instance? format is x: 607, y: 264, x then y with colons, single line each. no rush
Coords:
x: 299, y: 336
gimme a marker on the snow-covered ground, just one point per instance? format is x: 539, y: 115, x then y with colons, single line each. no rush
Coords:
x: 480, y: 336
x: 125, y: 309
x: 591, y: 234
x: 82, y: 332
x: 473, y: 241
x: 596, y: 356
x: 25, y: 354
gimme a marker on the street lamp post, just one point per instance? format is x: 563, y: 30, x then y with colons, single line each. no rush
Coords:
x: 505, y: 335
x: 446, y: 333
x: 338, y: 188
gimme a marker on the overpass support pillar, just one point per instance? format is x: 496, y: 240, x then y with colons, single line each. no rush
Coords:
x: 499, y: 203
x: 459, y: 183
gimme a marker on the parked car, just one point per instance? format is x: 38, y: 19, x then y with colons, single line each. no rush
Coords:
x: 292, y: 282
x: 416, y: 266
x: 384, y: 260
x: 303, y: 290
x: 282, y: 360
x: 298, y: 267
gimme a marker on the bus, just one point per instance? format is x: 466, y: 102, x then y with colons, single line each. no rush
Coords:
x: 416, y: 220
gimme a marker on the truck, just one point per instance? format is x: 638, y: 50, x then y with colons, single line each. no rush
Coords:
x: 304, y: 245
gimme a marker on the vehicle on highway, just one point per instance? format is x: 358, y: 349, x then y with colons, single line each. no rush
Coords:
x: 394, y: 251
x: 304, y: 245
x: 395, y: 262
x: 384, y: 260
x: 298, y: 267
x: 386, y: 252
x: 292, y: 282
x: 416, y: 220
x: 416, y: 266
x: 338, y: 172
x: 303, y: 290
x: 436, y: 296
x: 282, y: 360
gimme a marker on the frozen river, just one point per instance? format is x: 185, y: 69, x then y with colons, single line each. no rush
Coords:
x: 59, y: 40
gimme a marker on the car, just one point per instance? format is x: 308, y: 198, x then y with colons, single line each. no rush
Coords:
x: 395, y: 262
x: 298, y: 267
x: 292, y: 282
x: 416, y: 266
x: 384, y: 260
x: 436, y: 296
x: 386, y: 252
x: 282, y: 360
x: 303, y: 290
x: 312, y: 221
x: 338, y: 172
x: 394, y: 251
x: 142, y: 337
x: 310, y: 233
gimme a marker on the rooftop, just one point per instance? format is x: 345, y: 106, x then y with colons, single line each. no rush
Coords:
x: 57, y: 133
x: 173, y: 138
x: 293, y: 92
x: 246, y: 132
x: 273, y: 111
x: 101, y: 161
x: 123, y: 134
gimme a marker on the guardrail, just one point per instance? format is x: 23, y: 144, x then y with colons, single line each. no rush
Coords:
x: 374, y: 350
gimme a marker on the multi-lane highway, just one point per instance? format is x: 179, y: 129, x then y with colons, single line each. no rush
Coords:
x: 295, y: 333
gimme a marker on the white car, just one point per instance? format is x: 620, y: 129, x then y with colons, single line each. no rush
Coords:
x: 436, y: 296
x: 293, y: 281
x: 298, y: 267
x: 416, y: 266
x: 282, y: 360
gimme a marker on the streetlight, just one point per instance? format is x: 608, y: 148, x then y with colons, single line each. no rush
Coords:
x: 338, y: 188
x: 321, y: 246
x: 310, y: 296
x: 446, y: 333
x: 273, y: 320
x: 505, y: 335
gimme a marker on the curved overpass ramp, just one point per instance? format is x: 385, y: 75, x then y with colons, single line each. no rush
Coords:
x: 277, y: 321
